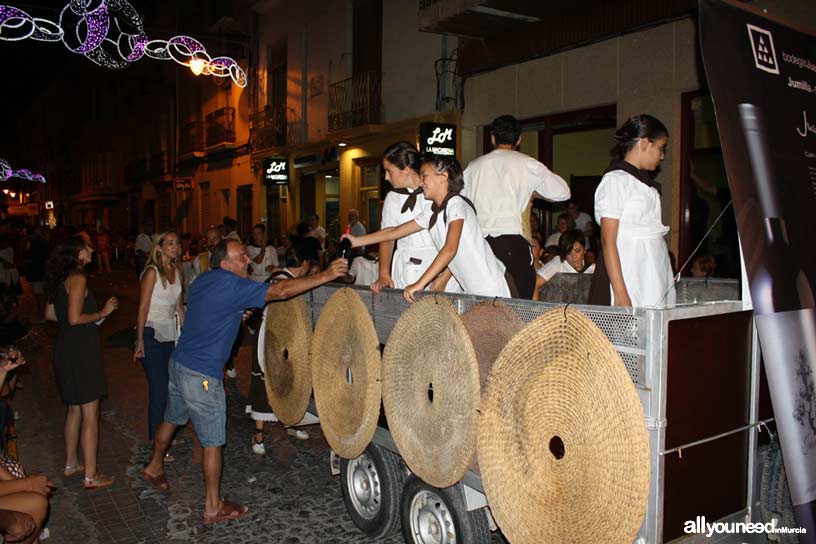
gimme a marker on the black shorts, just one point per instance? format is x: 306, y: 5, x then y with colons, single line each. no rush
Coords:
x: 514, y: 251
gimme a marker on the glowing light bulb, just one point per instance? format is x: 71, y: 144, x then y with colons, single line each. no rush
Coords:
x: 12, y: 194
x: 5, y: 191
x: 197, y: 66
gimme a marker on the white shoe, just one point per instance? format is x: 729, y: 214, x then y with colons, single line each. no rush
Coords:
x: 258, y: 449
x: 300, y: 434
x: 231, y: 372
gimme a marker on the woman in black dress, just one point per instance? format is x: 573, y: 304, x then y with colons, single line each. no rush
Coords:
x: 78, y: 355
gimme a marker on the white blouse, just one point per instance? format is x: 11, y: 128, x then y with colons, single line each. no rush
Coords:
x: 161, y: 316
x: 557, y: 266
x: 474, y: 266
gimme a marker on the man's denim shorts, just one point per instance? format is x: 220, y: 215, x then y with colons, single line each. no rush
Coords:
x: 188, y: 398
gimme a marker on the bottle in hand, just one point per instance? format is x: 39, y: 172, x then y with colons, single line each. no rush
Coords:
x: 344, y: 247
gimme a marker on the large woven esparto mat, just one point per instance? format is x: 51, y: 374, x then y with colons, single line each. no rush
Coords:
x: 346, y: 373
x: 563, y: 446
x: 286, y: 360
x: 430, y: 390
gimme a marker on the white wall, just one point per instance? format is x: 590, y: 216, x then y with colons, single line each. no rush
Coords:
x: 409, y: 77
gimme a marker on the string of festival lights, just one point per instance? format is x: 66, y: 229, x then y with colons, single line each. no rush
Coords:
x: 110, y: 33
x: 6, y: 173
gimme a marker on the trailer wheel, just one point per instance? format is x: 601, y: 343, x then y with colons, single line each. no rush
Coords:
x: 438, y: 516
x: 371, y: 485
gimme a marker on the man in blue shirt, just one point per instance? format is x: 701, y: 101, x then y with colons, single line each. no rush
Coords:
x: 216, y: 305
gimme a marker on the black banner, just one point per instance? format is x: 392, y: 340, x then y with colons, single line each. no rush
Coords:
x: 438, y: 139
x: 762, y: 77
x: 276, y: 171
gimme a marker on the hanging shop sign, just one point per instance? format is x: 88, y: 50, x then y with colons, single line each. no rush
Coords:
x: 762, y: 76
x: 438, y: 139
x: 184, y: 184
x: 276, y: 171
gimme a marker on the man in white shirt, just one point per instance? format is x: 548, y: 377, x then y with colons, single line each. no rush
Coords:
x: 315, y: 230
x: 582, y: 219
x: 143, y: 246
x: 357, y: 229
x: 500, y: 185
x: 231, y: 226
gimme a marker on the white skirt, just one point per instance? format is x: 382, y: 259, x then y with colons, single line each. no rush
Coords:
x: 647, y: 271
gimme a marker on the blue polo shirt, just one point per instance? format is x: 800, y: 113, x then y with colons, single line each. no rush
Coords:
x: 215, y: 306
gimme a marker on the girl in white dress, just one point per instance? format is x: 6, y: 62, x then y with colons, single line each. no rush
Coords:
x: 627, y: 206
x: 454, y: 230
x: 414, y: 253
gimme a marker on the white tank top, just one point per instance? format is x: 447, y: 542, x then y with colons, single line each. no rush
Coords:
x: 162, y: 313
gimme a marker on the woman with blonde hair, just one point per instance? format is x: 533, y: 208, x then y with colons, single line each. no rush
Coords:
x: 160, y: 301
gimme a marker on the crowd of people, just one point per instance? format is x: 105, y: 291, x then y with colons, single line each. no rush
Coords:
x: 443, y: 229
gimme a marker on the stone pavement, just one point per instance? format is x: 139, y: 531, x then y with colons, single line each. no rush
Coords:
x: 291, y: 493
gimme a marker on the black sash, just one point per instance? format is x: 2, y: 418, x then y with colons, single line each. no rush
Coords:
x: 444, y: 208
x: 410, y: 202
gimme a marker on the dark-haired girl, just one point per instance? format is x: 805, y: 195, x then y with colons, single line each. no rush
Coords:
x: 455, y: 232
x: 414, y: 253
x: 78, y: 354
x: 627, y: 206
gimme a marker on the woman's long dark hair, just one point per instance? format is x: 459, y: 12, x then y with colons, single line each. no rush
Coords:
x: 567, y: 241
x: 63, y: 262
x: 635, y: 128
x: 449, y: 166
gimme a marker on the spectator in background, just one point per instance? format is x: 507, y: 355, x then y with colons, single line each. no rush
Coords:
x: 703, y: 266
x: 357, y: 228
x: 264, y: 256
x: 38, y: 250
x: 186, y: 247
x: 579, y: 218
x: 315, y: 230
x: 231, y: 227
x: 103, y: 249
x: 590, y: 256
x: 366, y: 268
x: 564, y: 224
x: 202, y: 261
x: 8, y: 270
x: 143, y: 245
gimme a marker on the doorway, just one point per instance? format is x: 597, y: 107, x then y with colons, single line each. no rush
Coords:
x: 244, y: 209
x: 308, y: 196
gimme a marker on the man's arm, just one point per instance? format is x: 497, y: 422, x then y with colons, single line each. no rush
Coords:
x: 545, y: 183
x: 290, y: 288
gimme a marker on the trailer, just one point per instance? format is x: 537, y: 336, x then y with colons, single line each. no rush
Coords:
x: 702, y: 423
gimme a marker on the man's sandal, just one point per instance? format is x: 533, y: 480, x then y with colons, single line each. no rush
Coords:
x: 157, y: 482
x: 97, y: 482
x: 229, y: 510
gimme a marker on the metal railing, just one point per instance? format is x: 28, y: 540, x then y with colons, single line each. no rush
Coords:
x: 270, y: 127
x: 191, y: 138
x: 221, y: 127
x: 355, y: 101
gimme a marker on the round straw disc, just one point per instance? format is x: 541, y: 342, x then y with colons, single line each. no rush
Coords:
x: 490, y: 325
x: 346, y: 373
x: 563, y: 445
x: 430, y: 389
x: 287, y: 340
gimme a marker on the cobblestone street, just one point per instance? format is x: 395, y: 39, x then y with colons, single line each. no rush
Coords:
x: 291, y: 493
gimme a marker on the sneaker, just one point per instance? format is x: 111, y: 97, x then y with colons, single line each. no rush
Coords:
x: 231, y: 373
x: 300, y: 434
x: 45, y: 533
x: 258, y: 449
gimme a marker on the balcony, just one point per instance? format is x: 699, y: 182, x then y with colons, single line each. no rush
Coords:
x: 221, y: 129
x: 355, y: 102
x: 501, y: 32
x: 270, y: 128
x: 191, y: 141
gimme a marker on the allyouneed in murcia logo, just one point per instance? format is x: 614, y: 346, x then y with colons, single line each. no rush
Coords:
x: 700, y: 526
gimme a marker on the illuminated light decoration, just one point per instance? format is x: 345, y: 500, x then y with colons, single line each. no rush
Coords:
x: 110, y: 34
x: 16, y: 25
x: 7, y: 173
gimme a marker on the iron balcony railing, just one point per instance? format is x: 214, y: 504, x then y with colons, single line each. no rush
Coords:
x: 191, y: 139
x: 355, y: 101
x: 221, y: 127
x: 270, y: 127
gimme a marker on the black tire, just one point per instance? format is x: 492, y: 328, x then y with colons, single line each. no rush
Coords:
x: 376, y: 514
x: 441, y: 506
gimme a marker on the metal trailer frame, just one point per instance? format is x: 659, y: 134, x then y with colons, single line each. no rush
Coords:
x: 640, y: 336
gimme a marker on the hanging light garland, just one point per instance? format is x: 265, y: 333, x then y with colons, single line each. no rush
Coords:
x: 110, y: 34
x: 7, y: 173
